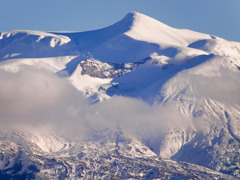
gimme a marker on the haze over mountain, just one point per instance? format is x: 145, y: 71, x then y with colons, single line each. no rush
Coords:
x: 137, y: 99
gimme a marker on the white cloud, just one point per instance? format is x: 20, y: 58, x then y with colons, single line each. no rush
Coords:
x: 35, y: 98
x: 224, y: 88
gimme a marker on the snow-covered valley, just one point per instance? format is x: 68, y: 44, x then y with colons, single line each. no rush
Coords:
x: 137, y: 99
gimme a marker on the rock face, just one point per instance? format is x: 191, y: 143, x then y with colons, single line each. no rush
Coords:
x: 185, y: 125
x: 101, y: 70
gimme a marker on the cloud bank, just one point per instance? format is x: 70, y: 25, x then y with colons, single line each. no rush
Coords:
x: 35, y: 98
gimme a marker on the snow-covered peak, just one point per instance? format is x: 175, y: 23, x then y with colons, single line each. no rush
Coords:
x: 145, y: 28
x: 140, y: 19
x: 131, y: 39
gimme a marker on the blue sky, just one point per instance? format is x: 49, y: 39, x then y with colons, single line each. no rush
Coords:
x: 217, y: 17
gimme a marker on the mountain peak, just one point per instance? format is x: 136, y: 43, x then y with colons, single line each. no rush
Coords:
x: 133, y: 14
x: 138, y: 18
x: 144, y: 28
x: 136, y: 14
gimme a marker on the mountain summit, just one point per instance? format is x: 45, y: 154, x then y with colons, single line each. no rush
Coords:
x: 145, y: 28
x: 137, y: 99
x: 114, y: 43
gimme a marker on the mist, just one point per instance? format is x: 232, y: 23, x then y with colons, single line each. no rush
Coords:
x: 224, y: 87
x: 39, y: 99
x: 33, y: 96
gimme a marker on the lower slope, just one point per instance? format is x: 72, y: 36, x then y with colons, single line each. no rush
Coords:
x: 118, y: 157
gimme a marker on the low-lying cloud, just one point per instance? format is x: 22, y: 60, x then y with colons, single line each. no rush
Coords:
x: 224, y: 88
x: 37, y: 98
x: 34, y: 96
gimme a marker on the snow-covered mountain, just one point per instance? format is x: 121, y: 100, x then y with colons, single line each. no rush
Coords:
x: 137, y: 99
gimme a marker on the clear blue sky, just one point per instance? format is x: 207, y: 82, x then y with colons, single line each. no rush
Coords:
x: 217, y: 17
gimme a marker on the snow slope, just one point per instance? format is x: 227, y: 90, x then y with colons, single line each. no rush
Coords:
x: 114, y: 43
